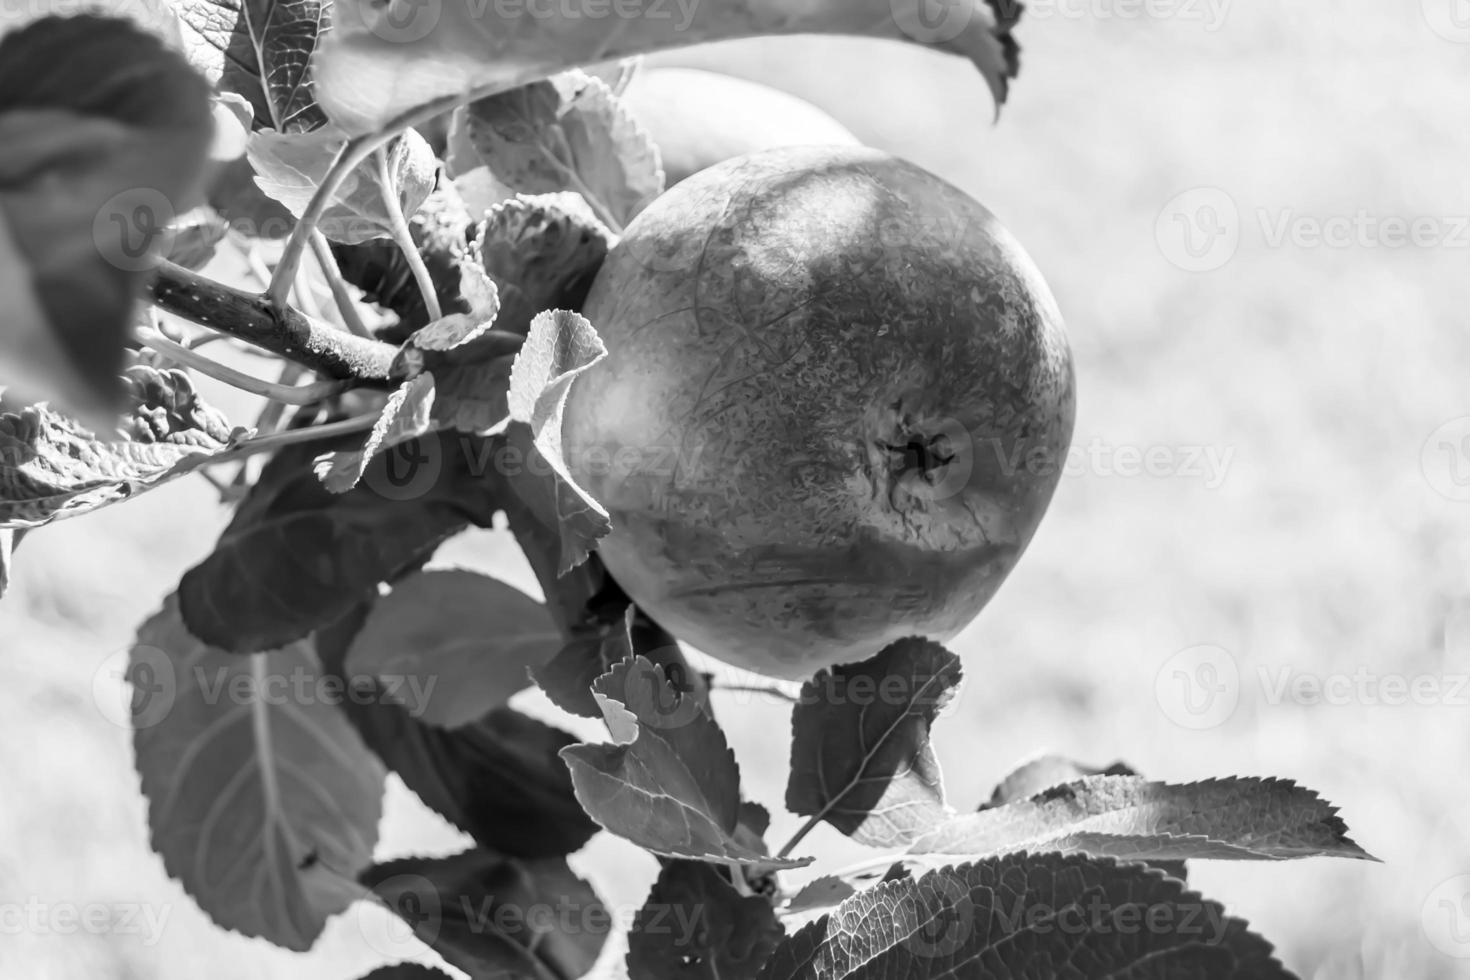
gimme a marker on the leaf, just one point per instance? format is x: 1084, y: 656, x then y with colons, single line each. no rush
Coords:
x: 406, y: 971
x: 497, y: 917
x: 192, y: 238
x: 819, y: 893
x: 670, y: 784
x: 297, y: 557
x: 860, y: 752
x: 455, y: 642
x: 7, y: 557
x: 567, y: 678
x: 261, y: 50
x: 695, y: 925
x: 560, y: 346
x: 406, y: 415
x: 1131, y: 818
x: 499, y: 779
x: 542, y: 252
x: 94, y: 166
x: 1046, y: 771
x: 51, y: 468
x: 568, y: 133
x: 1042, y: 773
x: 1052, y: 916
x: 290, y: 167
x: 383, y: 59
x: 260, y: 793
x: 442, y: 231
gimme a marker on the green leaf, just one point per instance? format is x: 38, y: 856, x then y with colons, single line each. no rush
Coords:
x: 1131, y: 818
x: 260, y: 793
x: 670, y: 784
x: 383, y: 59
x: 290, y: 167
x: 860, y: 752
x: 94, y: 166
x: 1047, y: 915
x: 261, y: 50
x: 51, y: 468
x: 1042, y: 773
x: 456, y: 643
x: 696, y: 926
x: 568, y: 133
x: 297, y: 557
x: 824, y: 892
x: 497, y: 917
x: 542, y: 252
x: 499, y: 780
x: 560, y: 346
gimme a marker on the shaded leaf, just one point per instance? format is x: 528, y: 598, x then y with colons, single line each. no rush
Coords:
x: 257, y: 784
x: 860, y: 753
x: 193, y: 237
x: 261, y: 50
x: 442, y: 230
x: 94, y: 166
x: 405, y: 415
x: 542, y: 252
x: 51, y: 468
x: 560, y: 346
x: 568, y: 133
x: 696, y: 925
x: 458, y: 643
x: 290, y: 167
x: 497, y: 917
x: 670, y: 783
x: 1053, y: 916
x: 499, y: 779
x: 406, y: 971
x: 1131, y: 818
x: 596, y: 648
x: 297, y: 557
x: 381, y: 60
x: 819, y: 893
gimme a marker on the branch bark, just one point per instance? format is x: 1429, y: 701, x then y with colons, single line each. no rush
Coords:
x: 252, y: 318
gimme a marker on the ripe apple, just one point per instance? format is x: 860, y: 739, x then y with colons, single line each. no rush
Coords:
x: 835, y: 406
x: 700, y: 118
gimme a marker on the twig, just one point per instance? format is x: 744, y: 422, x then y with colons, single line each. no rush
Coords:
x: 772, y: 690
x: 287, y: 332
x: 346, y: 305
x: 289, y: 394
x: 404, y: 237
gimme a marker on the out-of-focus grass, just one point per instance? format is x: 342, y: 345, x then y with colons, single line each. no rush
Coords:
x: 1323, y: 549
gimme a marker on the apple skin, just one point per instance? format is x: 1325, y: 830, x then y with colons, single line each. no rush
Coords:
x: 700, y: 118
x: 785, y: 332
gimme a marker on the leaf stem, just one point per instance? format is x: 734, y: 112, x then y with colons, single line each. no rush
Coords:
x: 346, y: 306
x: 288, y: 332
x: 404, y: 237
x: 797, y: 837
x: 349, y: 157
x: 286, y: 393
x: 311, y: 433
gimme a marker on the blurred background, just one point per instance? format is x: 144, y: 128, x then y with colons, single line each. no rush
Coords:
x: 1270, y: 486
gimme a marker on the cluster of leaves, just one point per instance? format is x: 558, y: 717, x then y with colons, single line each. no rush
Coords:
x: 265, y: 804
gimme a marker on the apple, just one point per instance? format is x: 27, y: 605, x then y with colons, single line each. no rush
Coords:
x: 700, y: 118
x: 836, y: 404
